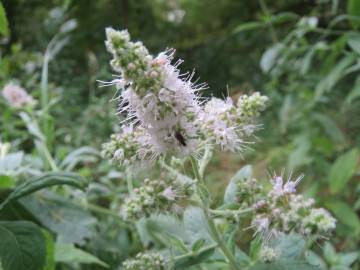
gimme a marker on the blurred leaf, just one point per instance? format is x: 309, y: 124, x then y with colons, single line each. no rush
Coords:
x: 4, y: 28
x: 32, y: 126
x: 343, y: 169
x: 43, y: 181
x: 243, y: 174
x: 67, y: 253
x: 290, y: 246
x: 270, y: 56
x: 72, y: 223
x: 354, y: 42
x: 353, y: 9
x: 332, y: 77
x: 314, y: 259
x: 195, y: 258
x: 330, y: 127
x: 198, y: 245
x: 6, y: 182
x: 50, y: 251
x: 82, y: 154
x: 11, y: 162
x: 347, y: 259
x: 345, y: 214
x: 22, y: 246
x: 353, y: 94
x: 285, y: 265
x: 247, y: 26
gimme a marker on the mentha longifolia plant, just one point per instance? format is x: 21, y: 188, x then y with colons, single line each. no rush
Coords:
x: 166, y: 121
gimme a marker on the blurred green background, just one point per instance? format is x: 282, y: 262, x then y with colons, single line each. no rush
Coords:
x: 303, y: 54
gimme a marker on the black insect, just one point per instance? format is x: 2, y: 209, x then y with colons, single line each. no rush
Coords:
x: 180, y: 138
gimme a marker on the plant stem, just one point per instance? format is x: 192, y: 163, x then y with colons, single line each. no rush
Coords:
x: 267, y: 14
x: 189, y: 254
x: 212, y: 226
x: 228, y: 212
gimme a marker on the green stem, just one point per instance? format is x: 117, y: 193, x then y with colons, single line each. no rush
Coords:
x: 180, y: 257
x: 267, y: 14
x: 228, y: 212
x: 101, y: 210
x: 212, y: 227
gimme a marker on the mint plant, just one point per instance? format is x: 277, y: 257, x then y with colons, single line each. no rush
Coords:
x: 167, y: 122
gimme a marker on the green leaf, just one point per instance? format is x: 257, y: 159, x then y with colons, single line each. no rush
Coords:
x: 195, y: 258
x: 11, y: 162
x: 4, y: 27
x: 198, y: 245
x: 270, y: 56
x: 67, y: 253
x: 314, y: 259
x: 285, y: 265
x: 342, y: 170
x: 353, y: 9
x: 345, y: 214
x: 50, y: 251
x: 330, y: 127
x: 72, y: 223
x: 353, y: 94
x: 354, y: 42
x: 335, y: 74
x: 243, y: 174
x: 196, y: 226
x: 290, y: 246
x: 22, y: 246
x: 82, y: 154
x: 43, y: 181
x: 6, y: 182
x: 247, y: 26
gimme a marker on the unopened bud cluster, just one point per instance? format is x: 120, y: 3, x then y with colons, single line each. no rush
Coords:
x: 166, y: 107
x: 145, y: 261
x: 154, y: 197
x: 281, y: 210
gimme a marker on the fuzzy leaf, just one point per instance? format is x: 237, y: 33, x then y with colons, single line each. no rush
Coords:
x: 230, y: 192
x: 67, y: 253
x: 59, y: 215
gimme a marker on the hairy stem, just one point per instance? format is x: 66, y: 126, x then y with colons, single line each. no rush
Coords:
x: 212, y: 226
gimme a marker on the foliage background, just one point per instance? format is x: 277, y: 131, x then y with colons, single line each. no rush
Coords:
x: 303, y: 54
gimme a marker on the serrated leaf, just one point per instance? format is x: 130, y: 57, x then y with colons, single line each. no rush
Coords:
x: 22, y: 246
x: 230, y: 192
x: 195, y: 225
x: 72, y: 223
x: 67, y: 253
x: 343, y: 169
x: 43, y: 181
